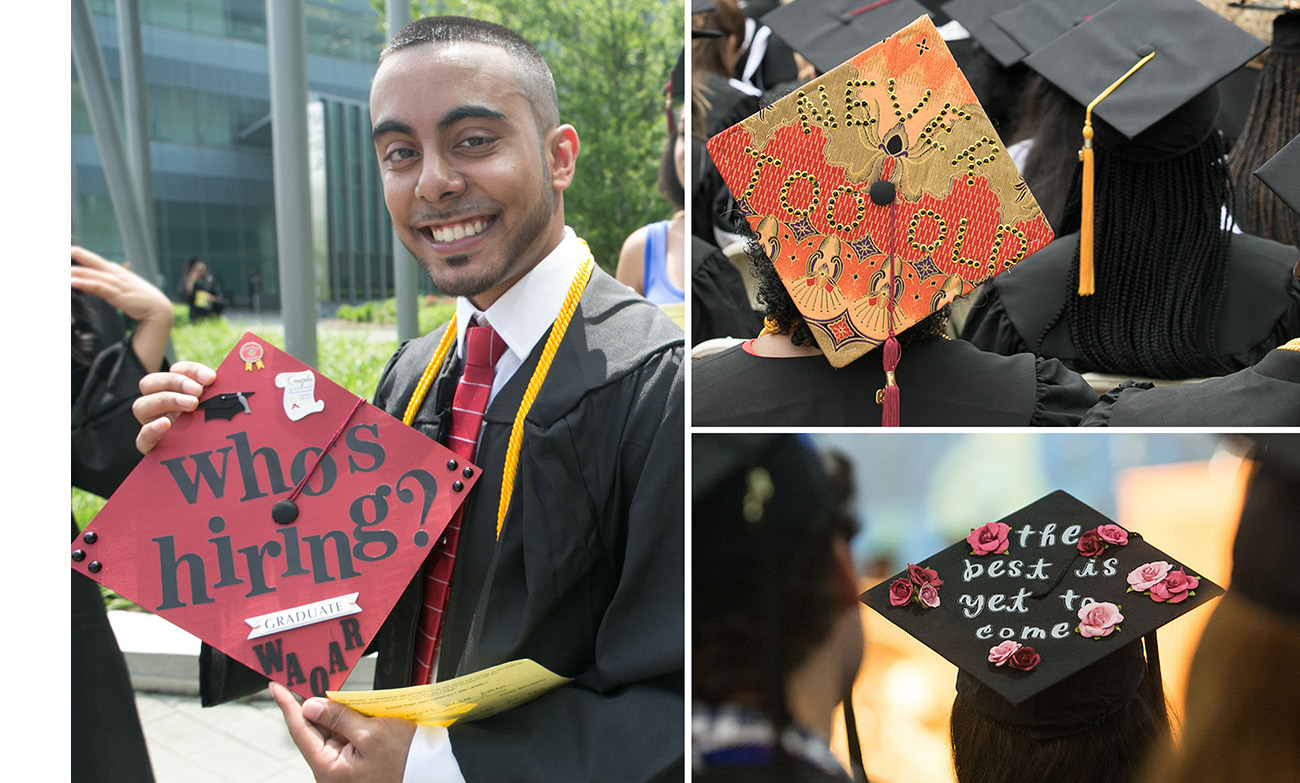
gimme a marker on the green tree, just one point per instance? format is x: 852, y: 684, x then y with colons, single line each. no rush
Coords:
x: 611, y: 61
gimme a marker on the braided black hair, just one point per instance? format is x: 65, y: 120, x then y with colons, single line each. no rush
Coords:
x: 1274, y: 120
x: 1161, y: 265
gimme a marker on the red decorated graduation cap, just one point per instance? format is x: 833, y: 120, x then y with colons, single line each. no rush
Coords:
x: 279, y: 522
x: 881, y: 192
x: 1040, y: 609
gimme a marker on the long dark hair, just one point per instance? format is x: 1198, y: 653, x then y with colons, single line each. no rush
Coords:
x: 1112, y: 750
x: 1274, y: 120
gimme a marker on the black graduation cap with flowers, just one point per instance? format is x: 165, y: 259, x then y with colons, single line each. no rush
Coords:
x: 1023, y: 603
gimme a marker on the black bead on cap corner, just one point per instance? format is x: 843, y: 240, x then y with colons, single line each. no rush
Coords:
x: 457, y: 486
x: 95, y: 567
x: 452, y: 464
x: 90, y: 536
x: 883, y: 192
x: 284, y: 512
x: 78, y: 555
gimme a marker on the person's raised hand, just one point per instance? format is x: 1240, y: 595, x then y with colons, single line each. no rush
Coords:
x: 133, y: 295
x: 166, y: 395
x: 343, y: 746
x: 118, y: 286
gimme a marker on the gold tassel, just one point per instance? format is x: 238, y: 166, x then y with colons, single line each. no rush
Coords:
x: 1086, y: 285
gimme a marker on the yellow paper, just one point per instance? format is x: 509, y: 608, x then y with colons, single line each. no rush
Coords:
x: 467, y: 698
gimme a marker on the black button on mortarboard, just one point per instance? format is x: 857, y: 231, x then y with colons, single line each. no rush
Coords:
x: 90, y: 536
x: 284, y: 512
x: 457, y: 487
x: 78, y: 555
x: 95, y: 567
x: 468, y: 473
x: 452, y: 464
x: 883, y: 192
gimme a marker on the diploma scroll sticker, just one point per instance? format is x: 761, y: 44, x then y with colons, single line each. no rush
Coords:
x: 307, y: 614
x: 299, y: 394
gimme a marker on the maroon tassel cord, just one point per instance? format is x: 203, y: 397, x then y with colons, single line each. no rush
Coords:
x: 892, y: 353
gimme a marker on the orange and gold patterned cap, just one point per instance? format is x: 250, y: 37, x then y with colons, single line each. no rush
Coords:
x: 887, y: 160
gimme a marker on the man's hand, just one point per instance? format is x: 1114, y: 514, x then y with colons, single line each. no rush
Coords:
x: 167, y: 395
x: 342, y: 745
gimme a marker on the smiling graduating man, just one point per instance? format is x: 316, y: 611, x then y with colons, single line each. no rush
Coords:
x: 578, y: 564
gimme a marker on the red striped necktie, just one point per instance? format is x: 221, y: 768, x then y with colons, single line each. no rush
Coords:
x: 483, y: 348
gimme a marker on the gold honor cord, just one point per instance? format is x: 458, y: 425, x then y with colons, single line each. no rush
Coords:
x: 515, y: 444
x: 1086, y: 286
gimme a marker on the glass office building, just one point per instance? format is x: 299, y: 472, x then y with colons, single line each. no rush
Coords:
x: 208, y: 96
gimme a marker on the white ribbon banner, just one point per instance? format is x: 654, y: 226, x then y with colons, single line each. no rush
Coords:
x: 307, y: 614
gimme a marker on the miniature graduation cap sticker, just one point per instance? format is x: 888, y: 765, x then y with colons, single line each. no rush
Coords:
x: 1027, y: 601
x: 881, y: 192
x: 281, y: 540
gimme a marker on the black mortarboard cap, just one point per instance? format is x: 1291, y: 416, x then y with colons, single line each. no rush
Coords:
x: 1025, y: 580
x: 1194, y: 49
x: 1267, y: 545
x: 828, y: 32
x: 1037, y: 23
x: 977, y: 17
x: 1281, y: 173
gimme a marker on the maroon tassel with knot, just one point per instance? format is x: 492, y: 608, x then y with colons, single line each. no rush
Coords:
x: 889, y: 395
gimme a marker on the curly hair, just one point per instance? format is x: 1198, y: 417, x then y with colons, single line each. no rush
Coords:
x: 777, y: 305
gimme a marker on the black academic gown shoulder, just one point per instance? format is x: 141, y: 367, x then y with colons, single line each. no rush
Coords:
x: 107, y: 742
x: 587, y: 577
x: 1261, y: 307
x: 1265, y: 395
x: 794, y: 772
x: 719, y: 302
x: 941, y: 383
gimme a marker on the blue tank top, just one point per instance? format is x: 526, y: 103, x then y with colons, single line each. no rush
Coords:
x: 658, y: 288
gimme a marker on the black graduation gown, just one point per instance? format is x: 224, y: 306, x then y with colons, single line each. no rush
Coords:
x: 719, y: 303
x: 107, y: 742
x: 1261, y: 307
x: 1266, y: 395
x: 794, y: 772
x: 941, y: 382
x: 587, y: 577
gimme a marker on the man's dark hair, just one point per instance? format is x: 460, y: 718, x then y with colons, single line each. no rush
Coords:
x: 531, y: 69
x: 775, y: 301
x: 1161, y: 265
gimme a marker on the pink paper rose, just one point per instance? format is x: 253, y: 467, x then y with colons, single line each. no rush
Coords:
x: 1113, y: 534
x: 900, y: 592
x: 928, y: 595
x: 1146, y: 576
x: 1090, y: 544
x: 989, y: 539
x: 1098, y: 619
x: 923, y: 576
x: 1000, y: 654
x: 1024, y: 659
x: 1175, y: 588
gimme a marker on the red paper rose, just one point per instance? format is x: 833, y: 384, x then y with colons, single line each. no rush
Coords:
x: 1024, y: 659
x: 1113, y: 534
x: 1090, y: 544
x: 928, y: 596
x: 1175, y: 588
x: 1003, y: 652
x: 900, y: 592
x: 923, y: 576
x: 990, y: 538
